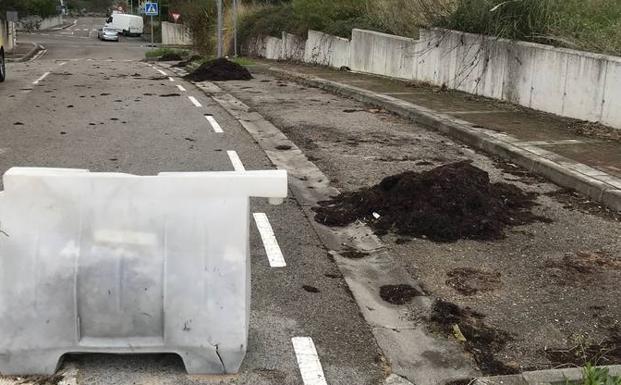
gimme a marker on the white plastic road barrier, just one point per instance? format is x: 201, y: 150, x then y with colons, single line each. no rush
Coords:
x: 118, y: 263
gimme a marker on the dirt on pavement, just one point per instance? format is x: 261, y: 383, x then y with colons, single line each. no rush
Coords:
x: 539, y: 312
x: 584, y: 268
x: 478, y: 338
x: 447, y: 203
x: 470, y: 281
x: 398, y: 294
x: 219, y: 70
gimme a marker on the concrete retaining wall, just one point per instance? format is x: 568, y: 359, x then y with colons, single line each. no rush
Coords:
x: 565, y: 82
x: 326, y: 50
x: 175, y: 34
x: 268, y: 47
x: 293, y: 47
x: 35, y: 22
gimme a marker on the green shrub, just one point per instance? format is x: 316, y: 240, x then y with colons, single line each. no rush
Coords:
x: 512, y: 19
x: 592, y: 375
x: 270, y: 21
x: 164, y: 51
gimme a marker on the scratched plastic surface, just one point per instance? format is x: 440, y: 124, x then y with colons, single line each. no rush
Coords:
x: 117, y: 263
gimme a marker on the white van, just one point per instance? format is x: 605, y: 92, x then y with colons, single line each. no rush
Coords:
x: 128, y: 25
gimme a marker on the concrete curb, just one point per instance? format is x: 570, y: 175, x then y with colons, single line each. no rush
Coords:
x: 68, y: 25
x: 393, y: 332
x: 543, y: 377
x: 35, y: 48
x: 560, y: 170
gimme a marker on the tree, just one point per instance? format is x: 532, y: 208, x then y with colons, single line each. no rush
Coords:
x: 42, y: 8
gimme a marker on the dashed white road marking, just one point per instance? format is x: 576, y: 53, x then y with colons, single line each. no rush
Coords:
x: 237, y: 163
x: 41, y: 78
x: 62, y: 64
x: 214, y: 124
x: 308, y: 361
x: 162, y: 72
x: 171, y: 79
x: 39, y: 54
x: 181, y: 88
x: 274, y: 254
x: 194, y: 101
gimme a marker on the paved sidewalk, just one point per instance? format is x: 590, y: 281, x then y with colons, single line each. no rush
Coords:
x: 22, y: 51
x: 592, y: 153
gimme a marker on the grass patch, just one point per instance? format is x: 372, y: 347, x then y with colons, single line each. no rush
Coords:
x: 166, y: 51
x: 244, y: 61
x: 592, y: 375
x: 590, y: 25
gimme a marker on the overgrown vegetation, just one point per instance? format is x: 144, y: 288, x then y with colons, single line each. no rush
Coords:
x: 593, y: 25
x: 592, y: 375
x: 159, y: 52
x: 42, y: 8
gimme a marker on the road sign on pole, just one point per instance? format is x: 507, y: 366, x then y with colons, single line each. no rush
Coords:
x: 151, y: 9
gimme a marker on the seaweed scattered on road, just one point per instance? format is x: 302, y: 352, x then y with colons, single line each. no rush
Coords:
x: 482, y: 341
x: 445, y: 204
x: 398, y: 294
x: 469, y: 281
x: 606, y: 352
x: 219, y: 70
x: 573, y: 200
x: 310, y: 289
x: 583, y: 268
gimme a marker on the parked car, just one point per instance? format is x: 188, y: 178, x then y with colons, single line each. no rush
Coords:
x: 108, y: 34
x: 2, y: 62
x: 128, y: 25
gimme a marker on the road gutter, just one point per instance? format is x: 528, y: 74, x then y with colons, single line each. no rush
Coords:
x: 394, y: 334
x: 29, y: 55
x: 409, y: 347
x: 596, y: 184
x: 543, y: 377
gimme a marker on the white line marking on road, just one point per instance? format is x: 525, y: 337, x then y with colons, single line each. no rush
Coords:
x: 163, y: 73
x: 308, y: 361
x: 237, y: 163
x: 181, y: 88
x: 214, y: 124
x: 194, y: 101
x: 41, y: 78
x: 274, y: 254
x: 171, y: 79
x: 35, y: 57
x: 62, y: 64
x: 39, y: 54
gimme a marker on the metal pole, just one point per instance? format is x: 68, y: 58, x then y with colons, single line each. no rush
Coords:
x: 131, y: 7
x: 152, y: 44
x: 235, y: 28
x: 219, y: 53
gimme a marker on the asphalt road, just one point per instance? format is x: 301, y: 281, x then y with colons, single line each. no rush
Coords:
x: 96, y: 105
